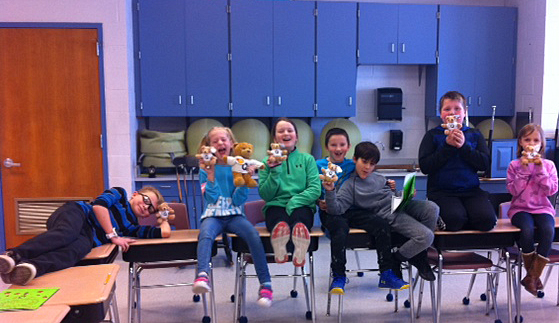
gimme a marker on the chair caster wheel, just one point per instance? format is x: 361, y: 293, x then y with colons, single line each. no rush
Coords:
x: 360, y: 274
x: 232, y: 298
x: 308, y: 315
x: 294, y: 294
x: 516, y: 319
x: 541, y: 294
x: 206, y: 319
x: 466, y: 301
x: 407, y: 304
x: 196, y: 298
x: 483, y: 297
x: 243, y: 319
x: 498, y: 321
x: 389, y: 297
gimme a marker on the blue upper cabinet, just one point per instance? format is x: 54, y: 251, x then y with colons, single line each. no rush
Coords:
x: 207, y: 64
x: 477, y: 49
x: 397, y: 34
x: 502, y: 153
x: 162, y: 63
x: 272, y: 67
x: 184, y: 69
x: 336, y: 59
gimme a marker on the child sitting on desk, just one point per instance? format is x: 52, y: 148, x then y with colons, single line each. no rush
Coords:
x: 337, y: 144
x: 451, y: 163
x: 370, y: 191
x: 225, y: 213
x: 76, y: 227
x: 531, y: 180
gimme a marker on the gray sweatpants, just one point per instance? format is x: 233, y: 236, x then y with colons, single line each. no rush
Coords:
x: 417, y: 222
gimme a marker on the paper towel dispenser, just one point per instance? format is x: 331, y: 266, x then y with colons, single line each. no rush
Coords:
x: 389, y: 104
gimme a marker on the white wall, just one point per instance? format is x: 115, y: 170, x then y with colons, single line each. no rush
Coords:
x: 550, y: 106
x: 114, y: 15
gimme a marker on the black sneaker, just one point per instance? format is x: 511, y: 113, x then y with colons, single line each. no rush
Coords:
x: 420, y: 262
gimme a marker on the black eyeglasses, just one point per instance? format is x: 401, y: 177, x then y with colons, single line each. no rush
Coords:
x: 147, y: 202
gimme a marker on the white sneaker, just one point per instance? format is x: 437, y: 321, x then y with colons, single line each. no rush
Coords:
x: 23, y: 274
x: 7, y: 264
x: 201, y: 285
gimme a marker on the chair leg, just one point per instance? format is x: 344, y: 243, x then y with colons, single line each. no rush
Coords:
x: 305, y: 288
x: 138, y: 296
x: 472, y: 281
x: 411, y: 296
x: 439, y: 288
x: 294, y: 290
x: 420, y: 298
x: 329, y: 300
x: 340, y: 307
x: 493, y: 296
x: 357, y: 259
x: 433, y: 301
x: 313, y: 298
x: 212, y: 298
x: 236, y: 290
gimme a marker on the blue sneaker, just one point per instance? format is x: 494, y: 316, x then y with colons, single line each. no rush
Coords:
x: 338, y: 285
x: 389, y: 280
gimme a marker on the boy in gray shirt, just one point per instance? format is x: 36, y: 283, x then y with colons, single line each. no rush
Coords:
x: 369, y: 190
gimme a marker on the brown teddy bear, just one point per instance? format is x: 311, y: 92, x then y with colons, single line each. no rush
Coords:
x: 330, y: 175
x: 451, y: 123
x: 530, y: 155
x: 241, y: 162
x: 207, y: 156
x: 166, y: 213
x: 277, y: 153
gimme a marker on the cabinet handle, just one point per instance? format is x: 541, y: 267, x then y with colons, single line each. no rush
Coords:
x: 469, y: 100
x: 192, y: 100
x: 165, y: 186
x: 479, y: 101
x: 393, y: 48
x: 268, y: 100
x: 403, y: 47
x: 350, y: 101
x: 279, y: 99
x: 180, y: 99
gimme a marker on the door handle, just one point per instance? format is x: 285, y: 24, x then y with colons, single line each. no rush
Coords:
x: 8, y: 163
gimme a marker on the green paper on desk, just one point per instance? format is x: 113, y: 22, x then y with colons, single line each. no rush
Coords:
x: 400, y: 202
x: 25, y: 299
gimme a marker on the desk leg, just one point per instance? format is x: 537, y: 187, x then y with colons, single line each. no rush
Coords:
x: 412, y: 303
x: 520, y: 262
x: 313, y: 300
x: 113, y: 308
x: 439, y: 288
x: 131, y: 273
x: 509, y: 285
x: 212, y: 297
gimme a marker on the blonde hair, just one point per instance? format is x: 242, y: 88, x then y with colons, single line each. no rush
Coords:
x: 527, y: 130
x: 206, y: 139
x: 146, y: 189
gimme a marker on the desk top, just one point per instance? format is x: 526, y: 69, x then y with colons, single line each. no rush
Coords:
x: 81, y: 285
x: 503, y: 226
x: 102, y: 251
x: 45, y: 314
x: 177, y: 236
x: 264, y: 233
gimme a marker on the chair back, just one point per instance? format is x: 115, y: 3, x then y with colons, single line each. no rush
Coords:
x: 253, y: 211
x: 503, y: 210
x: 180, y: 222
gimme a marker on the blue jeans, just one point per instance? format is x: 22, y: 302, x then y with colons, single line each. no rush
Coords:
x: 239, y: 225
x: 546, y: 231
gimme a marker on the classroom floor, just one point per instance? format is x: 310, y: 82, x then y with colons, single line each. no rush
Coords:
x: 363, y: 301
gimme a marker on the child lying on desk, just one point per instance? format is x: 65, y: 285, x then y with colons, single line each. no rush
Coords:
x: 370, y: 191
x: 77, y: 227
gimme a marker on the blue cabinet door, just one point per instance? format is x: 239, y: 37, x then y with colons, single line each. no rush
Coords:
x: 207, y: 66
x: 252, y: 58
x: 294, y: 59
x: 417, y: 34
x: 397, y: 34
x: 337, y: 64
x: 378, y: 33
x: 503, y: 152
x: 495, y: 68
x: 162, y: 64
x: 476, y: 58
x: 457, y: 52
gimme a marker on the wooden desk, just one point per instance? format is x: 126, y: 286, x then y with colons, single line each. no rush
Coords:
x: 503, y: 235
x: 239, y: 245
x: 45, y: 314
x: 88, y: 290
x: 104, y: 254
x: 180, y: 246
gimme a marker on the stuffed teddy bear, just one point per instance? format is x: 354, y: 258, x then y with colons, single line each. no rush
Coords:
x: 330, y: 174
x: 277, y: 153
x: 207, y: 156
x: 451, y: 123
x: 241, y: 161
x: 166, y: 213
x: 530, y: 155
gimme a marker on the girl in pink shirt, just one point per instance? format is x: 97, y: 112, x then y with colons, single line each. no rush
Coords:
x: 531, y: 179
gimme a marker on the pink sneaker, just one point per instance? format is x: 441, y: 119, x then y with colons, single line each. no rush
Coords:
x: 279, y: 239
x: 301, y: 241
x: 201, y: 285
x: 265, y: 296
